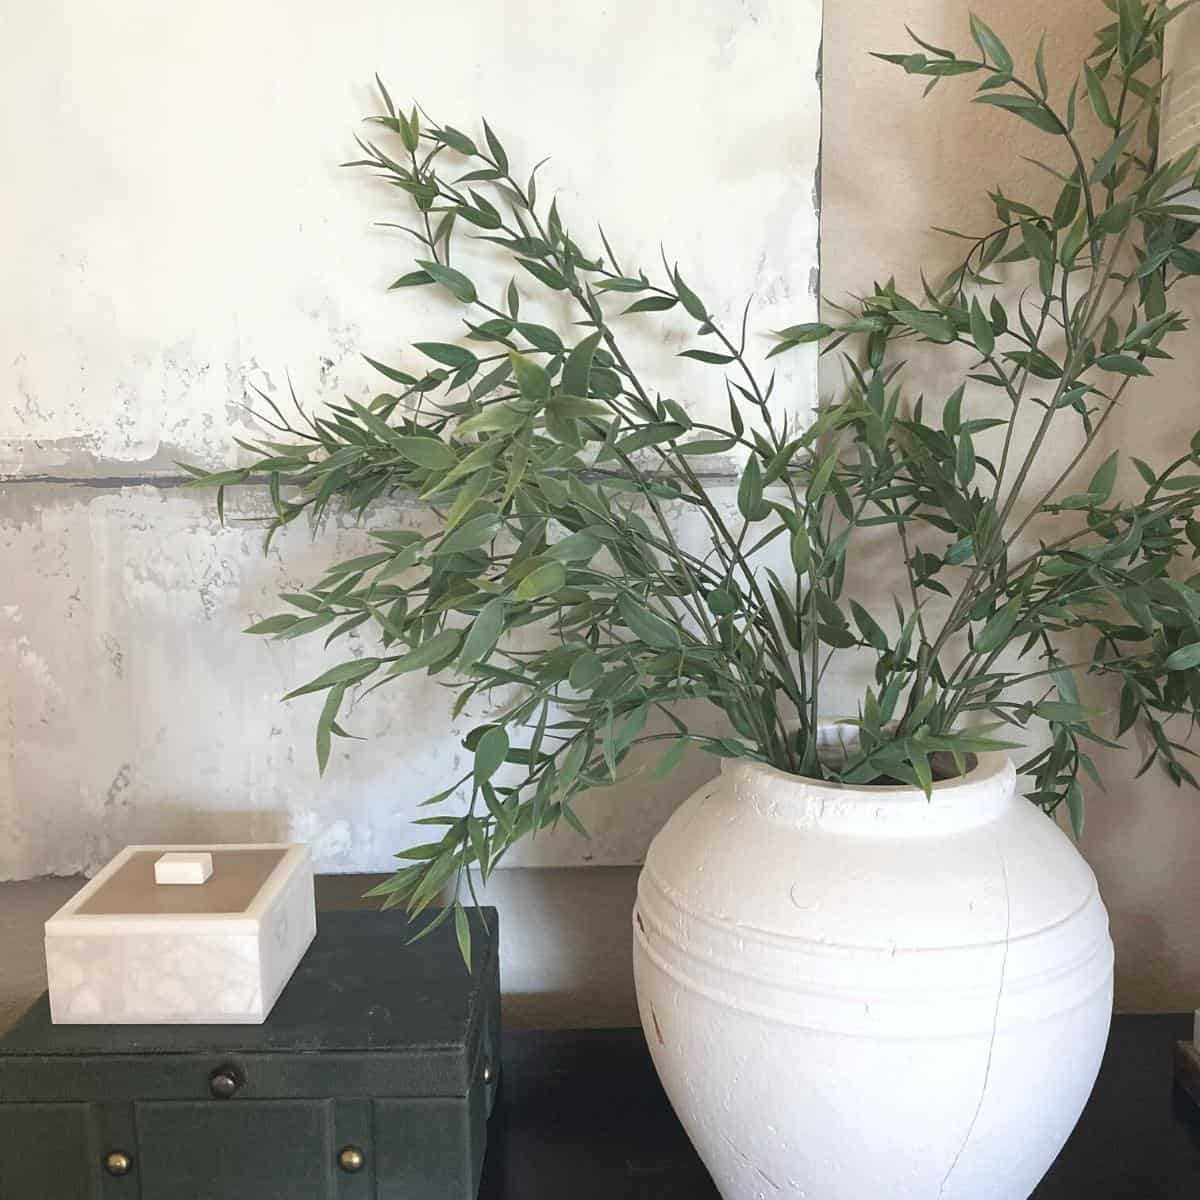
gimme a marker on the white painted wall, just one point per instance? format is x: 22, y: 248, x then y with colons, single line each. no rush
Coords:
x: 176, y: 229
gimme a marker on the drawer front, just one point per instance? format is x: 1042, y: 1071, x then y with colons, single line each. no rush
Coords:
x: 428, y: 1148
x: 48, y: 1152
x: 268, y: 1150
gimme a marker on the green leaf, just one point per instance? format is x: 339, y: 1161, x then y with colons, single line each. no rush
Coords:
x: 870, y: 628
x: 996, y: 632
x: 646, y: 626
x: 457, y: 140
x: 542, y: 581
x: 390, y: 372
x: 578, y: 547
x: 1039, y: 65
x: 982, y: 333
x: 692, y: 303
x: 333, y: 702
x: 621, y: 283
x: 650, y: 435
x: 952, y: 411
x: 544, y: 274
x: 490, y: 751
x: 470, y: 535
x: 652, y: 304
x: 1129, y: 29
x: 721, y: 602
x: 1109, y: 159
x: 496, y: 418
x: 801, y: 550
x: 346, y: 673
x: 1074, y: 241
x: 483, y: 633
x: 447, y: 354
x: 499, y: 157
x: 704, y: 446
x: 532, y: 379
x: 412, y: 279
x: 1122, y: 364
x: 276, y: 624
x: 426, y: 452
x: 1068, y: 204
x: 1036, y: 242
x: 671, y: 759
x: 992, y: 47
x: 964, y: 463
x: 1185, y: 658
x: 1102, y: 482
x: 750, y: 492
x: 462, y: 931
x: 934, y: 326
x: 455, y: 282
x: 1075, y: 808
x: 923, y: 772
x: 798, y: 335
x: 541, y: 337
x: 578, y: 367
x: 1027, y: 109
x: 387, y: 100
x: 585, y: 671
x: 430, y: 652
x: 1098, y: 98
x: 1066, y: 713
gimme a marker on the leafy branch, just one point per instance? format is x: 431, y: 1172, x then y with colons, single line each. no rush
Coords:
x: 555, y: 586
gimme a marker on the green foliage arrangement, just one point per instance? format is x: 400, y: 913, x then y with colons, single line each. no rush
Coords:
x: 555, y: 583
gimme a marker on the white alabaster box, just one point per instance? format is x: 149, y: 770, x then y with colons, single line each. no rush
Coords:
x: 126, y: 950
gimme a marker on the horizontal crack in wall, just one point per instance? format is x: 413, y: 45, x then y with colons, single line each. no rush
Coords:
x: 174, y: 481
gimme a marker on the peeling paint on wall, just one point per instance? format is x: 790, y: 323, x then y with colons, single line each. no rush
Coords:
x: 180, y: 235
x: 137, y: 710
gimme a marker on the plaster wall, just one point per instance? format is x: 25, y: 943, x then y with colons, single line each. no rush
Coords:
x: 179, y: 232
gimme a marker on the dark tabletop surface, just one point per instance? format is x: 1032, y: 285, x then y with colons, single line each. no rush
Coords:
x: 332, y: 1002
x: 581, y: 1115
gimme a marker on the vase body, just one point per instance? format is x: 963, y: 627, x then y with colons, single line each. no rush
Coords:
x: 859, y: 992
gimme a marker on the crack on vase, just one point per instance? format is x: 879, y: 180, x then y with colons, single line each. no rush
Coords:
x: 987, y: 1069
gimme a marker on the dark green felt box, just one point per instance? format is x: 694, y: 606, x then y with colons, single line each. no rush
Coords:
x: 372, y: 1079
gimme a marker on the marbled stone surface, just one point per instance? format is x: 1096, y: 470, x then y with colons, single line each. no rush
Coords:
x: 167, y: 970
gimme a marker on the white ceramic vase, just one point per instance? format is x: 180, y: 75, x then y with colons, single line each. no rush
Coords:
x: 855, y: 993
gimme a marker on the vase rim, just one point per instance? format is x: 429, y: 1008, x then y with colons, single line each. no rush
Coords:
x: 986, y: 769
x: 987, y: 766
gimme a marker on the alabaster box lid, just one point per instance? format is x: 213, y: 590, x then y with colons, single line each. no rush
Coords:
x: 124, y: 898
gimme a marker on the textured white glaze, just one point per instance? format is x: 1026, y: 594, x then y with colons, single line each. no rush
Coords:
x: 856, y: 992
x: 156, y: 969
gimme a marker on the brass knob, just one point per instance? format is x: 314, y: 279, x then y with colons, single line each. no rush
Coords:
x: 351, y: 1159
x: 118, y: 1163
x: 224, y: 1083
